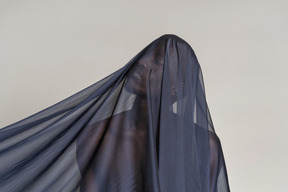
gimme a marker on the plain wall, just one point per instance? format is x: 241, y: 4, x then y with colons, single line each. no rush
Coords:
x: 51, y: 49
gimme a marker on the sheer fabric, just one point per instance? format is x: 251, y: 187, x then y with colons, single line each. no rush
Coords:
x: 144, y: 128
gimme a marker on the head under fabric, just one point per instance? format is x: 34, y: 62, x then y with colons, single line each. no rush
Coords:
x: 144, y: 128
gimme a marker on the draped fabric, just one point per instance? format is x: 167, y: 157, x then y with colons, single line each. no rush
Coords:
x: 144, y: 128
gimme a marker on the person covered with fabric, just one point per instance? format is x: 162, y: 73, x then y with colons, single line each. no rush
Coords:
x: 146, y: 127
x: 157, y: 145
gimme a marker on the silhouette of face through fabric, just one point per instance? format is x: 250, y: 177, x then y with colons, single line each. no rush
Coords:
x: 145, y: 75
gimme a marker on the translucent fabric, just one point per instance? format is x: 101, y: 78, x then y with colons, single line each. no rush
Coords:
x: 144, y: 128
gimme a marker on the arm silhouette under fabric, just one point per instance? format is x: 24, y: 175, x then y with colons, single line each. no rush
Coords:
x: 216, y: 160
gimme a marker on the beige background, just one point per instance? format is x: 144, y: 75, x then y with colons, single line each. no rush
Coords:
x: 51, y: 49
